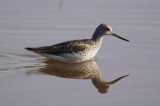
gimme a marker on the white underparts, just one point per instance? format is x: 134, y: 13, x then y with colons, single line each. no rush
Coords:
x: 80, y: 56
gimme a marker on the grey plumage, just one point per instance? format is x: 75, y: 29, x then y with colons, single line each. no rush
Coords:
x: 65, y: 47
x: 77, y: 50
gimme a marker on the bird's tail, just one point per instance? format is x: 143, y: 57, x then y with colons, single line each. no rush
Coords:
x: 30, y: 49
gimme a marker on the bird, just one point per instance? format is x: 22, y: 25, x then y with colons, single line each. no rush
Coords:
x: 75, y: 51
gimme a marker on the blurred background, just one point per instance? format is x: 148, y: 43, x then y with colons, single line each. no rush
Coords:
x: 26, y: 23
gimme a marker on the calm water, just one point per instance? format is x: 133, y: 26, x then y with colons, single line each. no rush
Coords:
x: 28, y: 79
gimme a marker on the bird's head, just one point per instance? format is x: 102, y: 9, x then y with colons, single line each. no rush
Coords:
x: 104, y: 29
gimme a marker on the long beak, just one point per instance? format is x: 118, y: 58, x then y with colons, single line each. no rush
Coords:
x: 113, y: 34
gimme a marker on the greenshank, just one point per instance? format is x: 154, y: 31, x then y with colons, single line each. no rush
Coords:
x: 76, y: 50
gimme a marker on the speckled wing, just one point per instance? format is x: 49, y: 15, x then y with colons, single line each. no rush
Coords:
x: 65, y: 47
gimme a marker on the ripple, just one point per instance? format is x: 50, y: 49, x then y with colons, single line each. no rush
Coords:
x: 13, y: 62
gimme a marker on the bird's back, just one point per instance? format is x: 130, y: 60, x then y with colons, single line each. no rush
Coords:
x: 65, y: 47
x: 76, y: 50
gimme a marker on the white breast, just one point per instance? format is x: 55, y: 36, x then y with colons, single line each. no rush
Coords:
x: 80, y: 56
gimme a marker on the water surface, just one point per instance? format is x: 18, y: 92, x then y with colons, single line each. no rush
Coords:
x: 27, y: 79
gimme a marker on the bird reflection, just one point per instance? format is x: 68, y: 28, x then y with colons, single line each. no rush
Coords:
x: 84, y: 70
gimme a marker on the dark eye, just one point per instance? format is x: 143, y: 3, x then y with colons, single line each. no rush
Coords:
x: 107, y: 28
